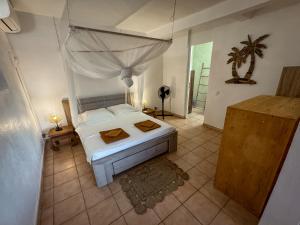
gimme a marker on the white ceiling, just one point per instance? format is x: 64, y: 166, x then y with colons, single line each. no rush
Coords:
x: 134, y: 15
x: 142, y: 16
x: 157, y: 13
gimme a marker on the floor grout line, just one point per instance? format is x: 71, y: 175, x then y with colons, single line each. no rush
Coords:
x: 81, y: 190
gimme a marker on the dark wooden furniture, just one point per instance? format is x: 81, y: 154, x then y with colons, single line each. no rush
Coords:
x: 289, y: 84
x: 256, y: 138
x: 57, y: 136
x: 150, y: 112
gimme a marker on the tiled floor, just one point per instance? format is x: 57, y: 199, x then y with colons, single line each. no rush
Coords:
x: 70, y: 196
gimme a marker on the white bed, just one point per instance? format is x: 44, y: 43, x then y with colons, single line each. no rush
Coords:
x: 96, y: 149
x: 111, y: 159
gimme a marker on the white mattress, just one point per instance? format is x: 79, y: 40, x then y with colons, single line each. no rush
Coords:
x: 94, y: 146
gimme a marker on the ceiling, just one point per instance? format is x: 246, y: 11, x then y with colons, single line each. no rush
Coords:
x: 135, y: 15
x: 157, y: 13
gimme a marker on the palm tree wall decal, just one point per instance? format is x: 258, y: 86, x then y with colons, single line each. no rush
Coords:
x: 239, y: 57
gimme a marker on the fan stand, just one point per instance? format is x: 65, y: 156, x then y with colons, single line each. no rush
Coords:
x: 163, y: 110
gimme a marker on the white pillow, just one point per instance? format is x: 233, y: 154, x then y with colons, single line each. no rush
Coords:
x: 96, y: 116
x: 122, y: 109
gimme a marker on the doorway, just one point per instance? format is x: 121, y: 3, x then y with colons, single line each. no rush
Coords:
x: 200, y: 62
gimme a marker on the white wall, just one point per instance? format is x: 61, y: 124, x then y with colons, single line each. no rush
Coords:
x: 283, y: 50
x: 41, y: 65
x: 20, y: 148
x: 283, y: 205
x: 153, y: 79
x: 175, y: 62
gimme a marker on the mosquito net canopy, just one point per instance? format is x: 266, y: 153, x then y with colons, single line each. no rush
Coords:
x: 105, y: 54
x: 99, y: 56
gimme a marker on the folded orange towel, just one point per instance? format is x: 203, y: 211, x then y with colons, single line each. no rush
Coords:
x: 110, y: 136
x: 147, y: 125
x: 113, y: 133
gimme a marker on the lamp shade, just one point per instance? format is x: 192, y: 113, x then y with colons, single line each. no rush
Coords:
x: 55, y: 119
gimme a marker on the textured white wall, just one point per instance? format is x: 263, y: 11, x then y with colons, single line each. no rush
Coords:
x: 153, y: 80
x: 37, y: 50
x: 283, y: 205
x: 20, y: 149
x: 175, y: 62
x: 283, y: 50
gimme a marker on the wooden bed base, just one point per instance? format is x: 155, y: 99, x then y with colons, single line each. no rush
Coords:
x: 105, y: 168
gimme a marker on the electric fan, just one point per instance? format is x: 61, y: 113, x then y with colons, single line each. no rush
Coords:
x: 163, y: 92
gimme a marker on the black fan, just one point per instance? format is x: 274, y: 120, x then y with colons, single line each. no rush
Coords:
x: 163, y: 92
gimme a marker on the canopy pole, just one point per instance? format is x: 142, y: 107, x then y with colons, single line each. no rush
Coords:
x: 118, y: 33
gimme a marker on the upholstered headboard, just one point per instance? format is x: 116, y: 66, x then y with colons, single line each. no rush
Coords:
x: 90, y: 103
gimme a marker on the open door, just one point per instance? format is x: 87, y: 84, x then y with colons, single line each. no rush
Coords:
x: 191, y: 88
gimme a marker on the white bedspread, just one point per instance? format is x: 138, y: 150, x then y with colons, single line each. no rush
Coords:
x: 94, y: 146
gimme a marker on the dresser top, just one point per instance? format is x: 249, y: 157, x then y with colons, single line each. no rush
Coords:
x: 278, y: 106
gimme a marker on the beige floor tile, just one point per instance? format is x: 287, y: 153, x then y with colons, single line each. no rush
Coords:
x: 148, y: 218
x: 104, y: 212
x: 47, y: 198
x: 181, y: 150
x: 80, y: 158
x: 184, y: 192
x: 84, y: 168
x: 120, y: 221
x: 87, y: 181
x: 202, y: 208
x: 63, y: 154
x: 213, y: 158
x: 66, y: 190
x: 183, y: 164
x: 197, y: 178
x: 167, y: 206
x: 48, y: 152
x: 223, y: 219
x: 94, y: 195
x: 214, y: 195
x: 192, y: 158
x: 65, y: 176
x: 239, y: 214
x: 81, y: 219
x: 211, y: 146
x: 198, y: 139
x: 217, y: 139
x: 47, y: 216
x: 48, y: 168
x: 48, y: 183
x: 207, y: 168
x: 123, y: 202
x: 63, y: 164
x: 181, y: 216
x: 68, y: 208
x: 173, y: 156
x: 190, y: 145
x: 202, y: 152
x: 115, y: 185
x: 77, y: 149
x: 181, y: 139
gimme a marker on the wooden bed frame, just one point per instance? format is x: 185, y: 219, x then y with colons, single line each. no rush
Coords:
x: 105, y: 168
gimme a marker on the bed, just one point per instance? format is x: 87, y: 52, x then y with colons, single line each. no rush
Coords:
x: 108, y: 160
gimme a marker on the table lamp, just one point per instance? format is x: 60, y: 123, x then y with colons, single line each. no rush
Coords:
x: 55, y: 119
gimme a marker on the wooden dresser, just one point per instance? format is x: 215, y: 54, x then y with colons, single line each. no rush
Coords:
x: 256, y: 138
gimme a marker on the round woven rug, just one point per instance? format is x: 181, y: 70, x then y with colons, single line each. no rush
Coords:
x: 148, y: 183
